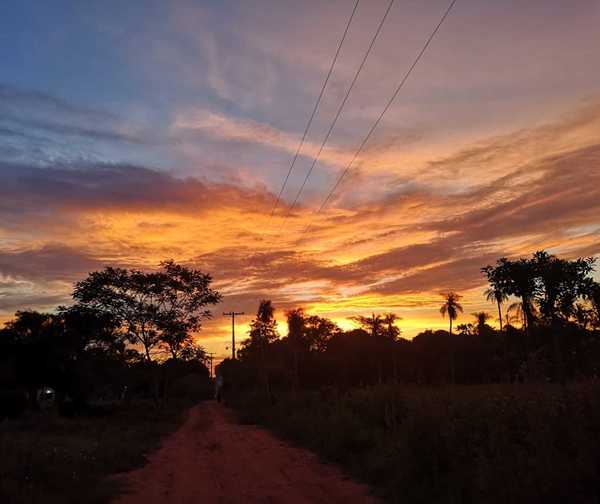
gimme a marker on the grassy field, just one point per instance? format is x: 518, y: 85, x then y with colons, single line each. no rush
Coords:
x: 48, y: 459
x: 464, y: 444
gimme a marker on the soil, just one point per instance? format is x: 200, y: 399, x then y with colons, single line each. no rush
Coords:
x: 214, y: 459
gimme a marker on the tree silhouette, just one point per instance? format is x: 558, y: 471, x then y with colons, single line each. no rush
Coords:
x: 451, y: 307
x: 516, y: 278
x: 374, y: 324
x: 496, y: 295
x: 592, y: 294
x: 263, y: 329
x: 561, y: 282
x: 319, y: 331
x: 515, y: 313
x: 583, y: 316
x: 390, y: 330
x: 481, y: 318
x: 296, y: 336
x: 255, y: 349
x: 37, y: 356
x: 153, y: 308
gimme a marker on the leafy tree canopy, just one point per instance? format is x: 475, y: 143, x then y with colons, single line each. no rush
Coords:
x: 154, y: 309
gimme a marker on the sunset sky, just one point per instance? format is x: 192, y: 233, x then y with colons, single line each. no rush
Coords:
x: 132, y: 132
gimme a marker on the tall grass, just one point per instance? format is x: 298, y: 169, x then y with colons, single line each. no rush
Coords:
x: 48, y: 459
x: 492, y: 444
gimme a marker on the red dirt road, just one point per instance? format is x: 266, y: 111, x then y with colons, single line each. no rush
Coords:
x: 214, y: 459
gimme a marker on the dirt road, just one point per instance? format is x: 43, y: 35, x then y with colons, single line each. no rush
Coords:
x: 214, y: 459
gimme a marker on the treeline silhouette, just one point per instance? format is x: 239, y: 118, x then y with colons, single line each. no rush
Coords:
x: 128, y: 334
x: 549, y: 330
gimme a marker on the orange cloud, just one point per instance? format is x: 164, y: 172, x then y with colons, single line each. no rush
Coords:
x: 393, y: 251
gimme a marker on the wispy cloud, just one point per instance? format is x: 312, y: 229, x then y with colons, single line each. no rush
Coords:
x: 27, y: 111
x: 231, y: 129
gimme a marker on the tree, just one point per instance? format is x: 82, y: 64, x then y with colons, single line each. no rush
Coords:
x: 481, y: 319
x: 451, y: 307
x: 263, y: 332
x: 191, y: 352
x: 390, y: 330
x: 38, y: 361
x: 496, y: 295
x: 583, y: 316
x: 515, y: 313
x: 561, y: 282
x: 295, y: 321
x: 374, y: 324
x: 592, y: 294
x: 263, y: 329
x: 554, y: 284
x: 174, y: 340
x: 383, y: 333
x: 87, y: 328
x: 319, y: 331
x: 516, y: 278
x: 296, y: 326
x: 154, y: 309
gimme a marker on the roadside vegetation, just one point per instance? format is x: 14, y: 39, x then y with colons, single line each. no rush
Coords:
x: 468, y: 443
x: 47, y: 458
x: 88, y: 390
x: 473, y: 414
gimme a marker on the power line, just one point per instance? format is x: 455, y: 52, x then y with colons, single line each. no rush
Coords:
x: 339, y: 110
x: 383, y: 112
x: 315, y: 108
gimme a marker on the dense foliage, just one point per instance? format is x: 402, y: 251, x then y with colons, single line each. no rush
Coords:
x: 129, y: 334
x: 555, y: 337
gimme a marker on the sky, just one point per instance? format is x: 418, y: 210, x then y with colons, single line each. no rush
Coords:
x: 133, y: 132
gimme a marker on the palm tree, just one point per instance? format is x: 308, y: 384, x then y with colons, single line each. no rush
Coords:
x: 391, y: 330
x: 451, y: 307
x: 373, y: 324
x: 517, y: 278
x: 497, y: 295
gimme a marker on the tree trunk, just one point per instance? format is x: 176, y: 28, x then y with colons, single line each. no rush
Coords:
x: 452, y: 366
x: 154, y: 374
x: 527, y: 317
x: 500, y: 315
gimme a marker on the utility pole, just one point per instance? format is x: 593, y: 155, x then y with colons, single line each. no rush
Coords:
x: 210, y: 360
x: 232, y: 314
